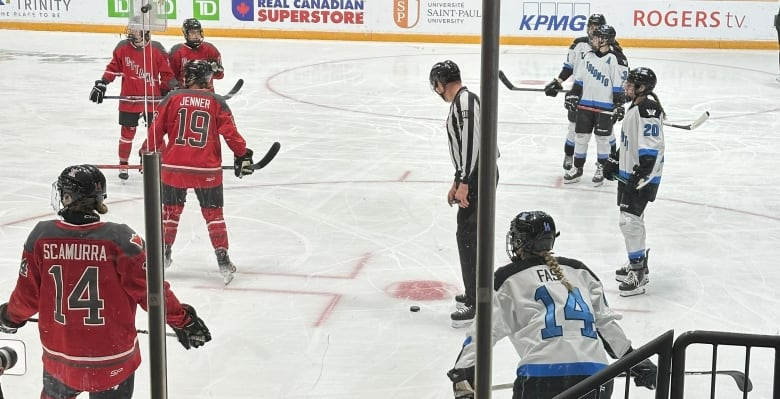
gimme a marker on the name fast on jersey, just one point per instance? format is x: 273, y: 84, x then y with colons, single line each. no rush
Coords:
x: 545, y: 276
x: 88, y: 252
x: 199, y: 102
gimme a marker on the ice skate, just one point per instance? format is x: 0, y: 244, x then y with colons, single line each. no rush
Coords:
x: 463, y: 317
x: 635, y: 283
x: 598, y: 177
x: 622, y: 272
x: 167, y: 261
x: 573, y: 175
x: 460, y: 301
x: 568, y: 161
x: 123, y: 175
x: 226, y: 267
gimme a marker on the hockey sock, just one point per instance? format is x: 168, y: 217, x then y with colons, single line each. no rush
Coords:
x: 215, y: 223
x: 127, y: 133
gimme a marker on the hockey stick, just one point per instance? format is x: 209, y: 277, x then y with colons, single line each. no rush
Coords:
x: 170, y: 334
x: 236, y: 87
x: 743, y: 383
x: 693, y: 125
x: 512, y: 87
x: 267, y: 158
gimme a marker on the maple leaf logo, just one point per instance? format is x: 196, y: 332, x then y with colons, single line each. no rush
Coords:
x: 137, y: 240
x: 242, y: 10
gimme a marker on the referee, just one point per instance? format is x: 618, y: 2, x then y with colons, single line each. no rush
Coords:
x: 463, y: 135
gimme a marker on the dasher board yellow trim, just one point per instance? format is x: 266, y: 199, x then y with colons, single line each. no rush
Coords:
x: 398, y: 37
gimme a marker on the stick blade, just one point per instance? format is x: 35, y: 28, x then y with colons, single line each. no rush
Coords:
x: 505, y: 80
x: 269, y: 156
x: 703, y: 118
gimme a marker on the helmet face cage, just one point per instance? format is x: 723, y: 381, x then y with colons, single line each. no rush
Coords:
x: 530, y: 232
x: 192, y: 25
x: 444, y: 72
x: 606, y: 32
x: 197, y: 72
x: 138, y: 37
x: 79, y: 183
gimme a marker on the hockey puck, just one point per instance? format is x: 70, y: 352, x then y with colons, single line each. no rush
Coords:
x: 414, y: 308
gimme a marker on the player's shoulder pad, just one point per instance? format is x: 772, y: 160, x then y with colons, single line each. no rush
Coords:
x: 158, y: 46
x: 575, y: 264
x: 505, y: 272
x: 125, y: 237
x: 583, y: 39
x: 176, y: 47
x: 123, y: 42
x: 42, y: 229
x: 621, y: 58
x: 649, y: 108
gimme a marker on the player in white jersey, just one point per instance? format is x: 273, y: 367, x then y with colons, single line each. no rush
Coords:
x: 597, y: 96
x: 554, y: 312
x: 580, y: 46
x: 639, y: 164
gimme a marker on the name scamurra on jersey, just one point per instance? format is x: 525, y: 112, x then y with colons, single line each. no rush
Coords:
x: 545, y: 275
x: 199, y: 102
x: 61, y: 251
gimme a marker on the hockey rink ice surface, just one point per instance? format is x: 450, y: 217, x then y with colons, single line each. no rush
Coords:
x: 349, y: 226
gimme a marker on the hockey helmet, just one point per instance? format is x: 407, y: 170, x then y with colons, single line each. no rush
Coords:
x: 136, y: 34
x: 79, y: 184
x: 444, y: 72
x: 606, y: 32
x: 642, y: 76
x: 192, y: 25
x: 597, y: 19
x: 530, y: 232
x: 197, y: 72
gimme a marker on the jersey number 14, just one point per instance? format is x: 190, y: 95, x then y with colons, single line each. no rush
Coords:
x: 575, y: 309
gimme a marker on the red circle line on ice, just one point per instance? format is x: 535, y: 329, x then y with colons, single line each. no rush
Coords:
x: 421, y: 290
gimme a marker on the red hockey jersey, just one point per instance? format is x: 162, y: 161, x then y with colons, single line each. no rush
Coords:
x: 181, y: 54
x: 144, y: 70
x: 193, y: 121
x: 85, y: 283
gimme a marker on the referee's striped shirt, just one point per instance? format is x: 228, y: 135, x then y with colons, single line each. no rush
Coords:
x: 463, y: 134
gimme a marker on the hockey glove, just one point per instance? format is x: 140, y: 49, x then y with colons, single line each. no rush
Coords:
x: 552, y: 88
x: 462, y: 382
x: 215, y: 67
x: 611, y: 168
x: 618, y: 113
x: 571, y: 102
x: 645, y: 374
x: 242, y: 165
x: 7, y: 326
x: 98, y: 91
x: 194, y: 333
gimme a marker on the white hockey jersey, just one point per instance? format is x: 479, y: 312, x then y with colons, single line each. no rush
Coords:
x: 642, y: 141
x: 555, y: 332
x: 601, y: 77
x: 578, y: 47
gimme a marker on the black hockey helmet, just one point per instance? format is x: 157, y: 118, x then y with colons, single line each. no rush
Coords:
x: 197, y: 72
x: 530, y: 232
x: 190, y: 25
x: 606, y: 32
x: 642, y: 76
x: 444, y: 72
x: 597, y: 19
x: 80, y: 184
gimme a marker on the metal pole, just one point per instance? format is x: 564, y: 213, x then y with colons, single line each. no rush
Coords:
x: 486, y: 208
x: 155, y: 276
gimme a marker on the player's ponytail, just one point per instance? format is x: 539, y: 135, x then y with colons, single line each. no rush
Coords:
x: 552, y: 263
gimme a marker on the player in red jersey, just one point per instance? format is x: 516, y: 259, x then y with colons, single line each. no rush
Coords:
x: 193, y: 119
x: 85, y: 279
x: 194, y: 48
x: 143, y: 65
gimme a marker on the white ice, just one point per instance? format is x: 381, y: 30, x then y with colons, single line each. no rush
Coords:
x: 355, y: 203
